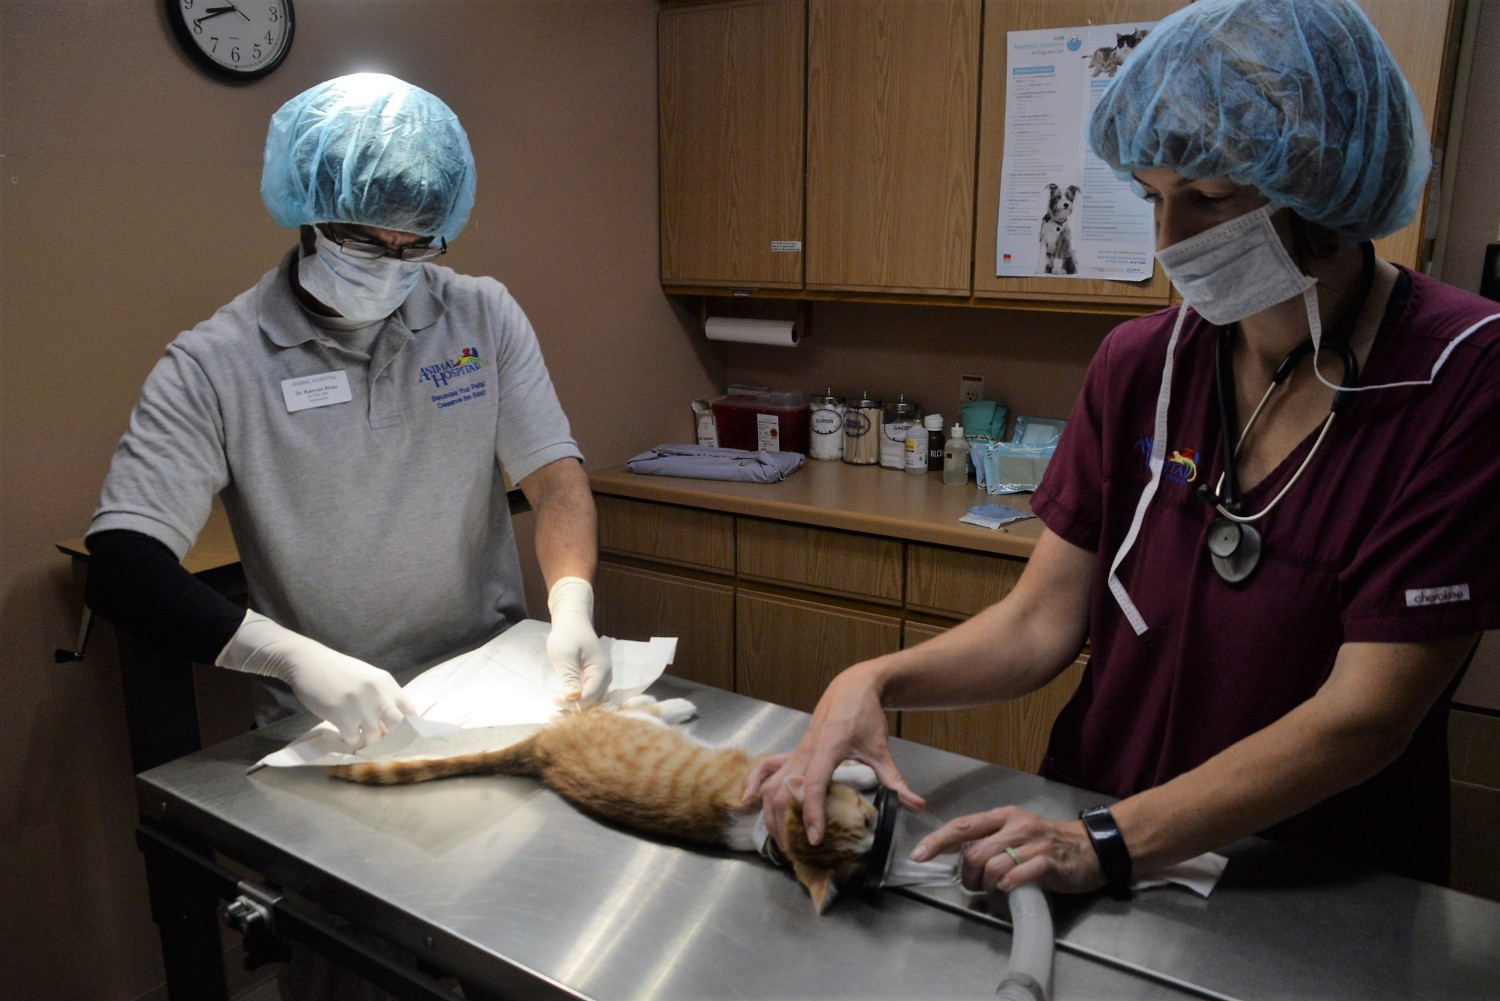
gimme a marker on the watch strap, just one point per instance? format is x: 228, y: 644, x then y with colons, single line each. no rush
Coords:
x: 1109, y: 844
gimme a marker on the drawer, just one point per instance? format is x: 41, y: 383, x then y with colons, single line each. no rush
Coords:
x: 865, y: 567
x: 680, y: 535
x: 787, y: 650
x: 956, y: 582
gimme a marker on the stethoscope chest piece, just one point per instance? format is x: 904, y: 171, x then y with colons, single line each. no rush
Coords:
x: 1234, y: 550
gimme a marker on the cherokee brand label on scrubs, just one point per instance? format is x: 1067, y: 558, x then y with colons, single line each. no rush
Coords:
x: 1437, y: 595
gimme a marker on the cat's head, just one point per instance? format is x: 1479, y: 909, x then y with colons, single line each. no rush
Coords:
x: 849, y: 832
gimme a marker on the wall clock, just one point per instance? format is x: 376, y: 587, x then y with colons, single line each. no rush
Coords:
x: 235, y: 39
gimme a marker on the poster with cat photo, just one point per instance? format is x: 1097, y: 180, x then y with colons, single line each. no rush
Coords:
x: 1063, y: 213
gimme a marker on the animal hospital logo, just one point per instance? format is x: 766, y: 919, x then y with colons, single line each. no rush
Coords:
x: 1181, y: 465
x: 468, y: 361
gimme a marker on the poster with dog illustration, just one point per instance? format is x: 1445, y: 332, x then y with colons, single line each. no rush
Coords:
x: 1063, y: 213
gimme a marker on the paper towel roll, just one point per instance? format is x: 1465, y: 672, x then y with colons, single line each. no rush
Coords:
x: 747, y: 331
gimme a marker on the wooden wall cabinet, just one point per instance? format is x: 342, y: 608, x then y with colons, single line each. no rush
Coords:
x: 896, y: 162
x: 892, y: 95
x: 885, y: 153
x: 731, y: 94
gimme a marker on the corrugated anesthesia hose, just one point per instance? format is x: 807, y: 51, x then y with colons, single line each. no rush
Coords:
x: 1029, y: 976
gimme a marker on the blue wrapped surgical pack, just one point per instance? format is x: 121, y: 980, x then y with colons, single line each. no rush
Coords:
x: 705, y: 462
x: 1299, y: 98
x: 371, y: 150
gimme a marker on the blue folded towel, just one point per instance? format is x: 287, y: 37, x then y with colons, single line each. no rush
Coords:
x: 705, y: 463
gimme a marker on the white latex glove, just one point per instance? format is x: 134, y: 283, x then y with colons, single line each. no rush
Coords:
x: 361, y: 700
x: 573, y: 646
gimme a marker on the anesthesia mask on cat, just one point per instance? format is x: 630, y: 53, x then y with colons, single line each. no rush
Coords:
x: 866, y: 846
x: 898, y: 830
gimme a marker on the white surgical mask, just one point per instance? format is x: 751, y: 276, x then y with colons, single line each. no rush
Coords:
x: 357, y: 289
x: 1234, y: 269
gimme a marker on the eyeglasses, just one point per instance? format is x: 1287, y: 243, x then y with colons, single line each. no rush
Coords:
x: 365, y: 250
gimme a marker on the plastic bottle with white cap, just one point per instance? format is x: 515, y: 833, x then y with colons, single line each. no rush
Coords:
x: 956, y: 458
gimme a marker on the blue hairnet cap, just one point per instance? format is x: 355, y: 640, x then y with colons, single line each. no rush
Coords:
x: 372, y: 150
x: 1300, y: 98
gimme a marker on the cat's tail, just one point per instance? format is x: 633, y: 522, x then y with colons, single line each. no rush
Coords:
x: 520, y: 758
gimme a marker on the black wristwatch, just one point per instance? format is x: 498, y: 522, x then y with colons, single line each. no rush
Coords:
x: 1109, y: 845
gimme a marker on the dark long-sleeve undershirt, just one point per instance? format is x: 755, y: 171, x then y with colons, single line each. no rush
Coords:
x: 136, y: 583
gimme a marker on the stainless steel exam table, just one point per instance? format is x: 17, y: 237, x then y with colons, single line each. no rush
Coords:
x: 503, y: 885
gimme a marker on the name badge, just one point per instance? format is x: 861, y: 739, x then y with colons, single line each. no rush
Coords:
x: 322, y: 390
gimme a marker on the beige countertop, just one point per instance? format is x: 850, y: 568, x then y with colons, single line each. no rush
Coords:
x: 869, y: 499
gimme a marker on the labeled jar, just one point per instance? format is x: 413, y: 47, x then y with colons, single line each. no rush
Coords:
x: 916, y: 449
x: 827, y: 427
x: 896, y: 420
x: 934, y: 425
x: 862, y: 425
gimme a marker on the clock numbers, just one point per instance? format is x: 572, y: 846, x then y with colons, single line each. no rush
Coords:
x: 240, y: 38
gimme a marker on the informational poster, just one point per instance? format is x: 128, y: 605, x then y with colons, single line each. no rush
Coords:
x: 1063, y: 213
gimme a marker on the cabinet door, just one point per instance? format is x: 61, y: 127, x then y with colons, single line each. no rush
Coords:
x: 1423, y: 36
x: 787, y: 650
x: 892, y: 91
x: 1001, y: 18
x: 731, y: 135
x: 1013, y: 734
x: 634, y: 603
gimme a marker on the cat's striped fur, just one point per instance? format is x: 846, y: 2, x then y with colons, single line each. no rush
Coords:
x: 630, y: 769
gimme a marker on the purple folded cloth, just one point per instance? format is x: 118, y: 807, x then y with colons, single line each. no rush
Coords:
x: 705, y: 463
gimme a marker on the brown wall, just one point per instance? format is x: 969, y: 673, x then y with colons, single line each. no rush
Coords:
x: 129, y: 209
x: 129, y: 199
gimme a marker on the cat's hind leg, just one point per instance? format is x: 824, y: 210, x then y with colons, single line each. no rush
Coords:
x: 668, y: 711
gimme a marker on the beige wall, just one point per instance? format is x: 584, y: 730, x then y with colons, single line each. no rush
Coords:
x: 129, y: 210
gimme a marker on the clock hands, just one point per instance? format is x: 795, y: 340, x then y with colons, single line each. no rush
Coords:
x: 213, y: 12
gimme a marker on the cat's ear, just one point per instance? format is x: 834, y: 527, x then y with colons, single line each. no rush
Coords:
x: 819, y: 883
x: 795, y: 784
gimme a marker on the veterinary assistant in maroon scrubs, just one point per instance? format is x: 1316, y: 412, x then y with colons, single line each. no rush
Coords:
x: 1271, y: 515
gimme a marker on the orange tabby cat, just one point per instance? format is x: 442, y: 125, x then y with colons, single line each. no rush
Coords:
x: 629, y: 768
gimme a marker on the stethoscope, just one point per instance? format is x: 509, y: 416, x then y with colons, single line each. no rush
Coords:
x: 1234, y: 544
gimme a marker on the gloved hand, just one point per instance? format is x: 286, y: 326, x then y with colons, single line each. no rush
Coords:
x: 573, y: 646
x: 361, y: 700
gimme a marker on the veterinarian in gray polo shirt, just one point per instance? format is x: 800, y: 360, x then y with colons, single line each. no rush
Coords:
x: 354, y: 411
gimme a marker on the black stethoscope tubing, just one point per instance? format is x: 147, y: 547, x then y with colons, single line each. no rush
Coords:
x: 1234, y: 545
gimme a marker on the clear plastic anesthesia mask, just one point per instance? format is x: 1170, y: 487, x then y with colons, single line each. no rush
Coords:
x: 897, y: 831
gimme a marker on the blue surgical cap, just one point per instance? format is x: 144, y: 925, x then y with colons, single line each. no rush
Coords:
x: 1300, y: 98
x: 372, y: 150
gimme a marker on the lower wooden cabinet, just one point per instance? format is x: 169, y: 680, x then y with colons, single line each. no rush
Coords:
x: 1013, y: 734
x: 775, y: 610
x: 787, y: 650
x: 635, y: 604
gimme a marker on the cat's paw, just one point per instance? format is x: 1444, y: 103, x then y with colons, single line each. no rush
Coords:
x: 673, y: 711
x: 856, y: 774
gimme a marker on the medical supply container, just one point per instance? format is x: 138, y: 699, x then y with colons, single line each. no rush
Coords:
x: 762, y: 420
x: 826, y: 426
x: 895, y: 422
x: 862, y: 419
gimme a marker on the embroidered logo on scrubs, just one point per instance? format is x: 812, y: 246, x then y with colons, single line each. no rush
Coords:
x: 1181, y: 465
x: 468, y: 361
